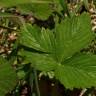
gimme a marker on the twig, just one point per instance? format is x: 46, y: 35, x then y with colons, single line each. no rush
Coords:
x: 83, y: 92
x: 8, y: 28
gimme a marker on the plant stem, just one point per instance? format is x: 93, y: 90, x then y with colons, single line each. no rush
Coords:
x: 36, y: 82
x: 31, y: 79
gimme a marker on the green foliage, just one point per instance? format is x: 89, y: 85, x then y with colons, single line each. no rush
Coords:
x: 60, y: 45
x: 55, y: 51
x: 78, y: 71
x: 42, y: 62
x: 7, y: 77
x: 71, y: 36
x: 41, y: 9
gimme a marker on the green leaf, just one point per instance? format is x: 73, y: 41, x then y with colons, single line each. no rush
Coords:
x: 42, y: 62
x: 72, y: 34
x: 10, y: 3
x: 7, y: 77
x: 64, y: 6
x: 31, y: 33
x: 36, y: 38
x: 21, y: 74
x: 78, y: 71
x: 41, y: 9
x: 47, y: 40
x: 68, y: 38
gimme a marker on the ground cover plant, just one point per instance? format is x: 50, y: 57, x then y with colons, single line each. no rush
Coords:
x: 52, y: 39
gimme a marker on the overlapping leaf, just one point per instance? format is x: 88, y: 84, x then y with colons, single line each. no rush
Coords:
x: 41, y: 9
x: 72, y: 35
x: 42, y: 62
x: 7, y: 77
x: 63, y: 42
x: 78, y: 72
x: 36, y: 38
x: 28, y: 37
x: 69, y: 37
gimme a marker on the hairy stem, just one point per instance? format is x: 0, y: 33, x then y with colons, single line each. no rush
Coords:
x: 36, y: 82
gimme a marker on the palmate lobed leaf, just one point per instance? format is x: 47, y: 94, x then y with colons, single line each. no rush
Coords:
x: 70, y: 33
x: 78, y: 71
x: 7, y: 77
x: 60, y: 44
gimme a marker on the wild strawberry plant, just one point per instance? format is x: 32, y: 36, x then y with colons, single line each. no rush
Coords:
x: 54, y: 50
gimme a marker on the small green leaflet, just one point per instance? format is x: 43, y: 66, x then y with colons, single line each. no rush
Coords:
x: 7, y: 77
